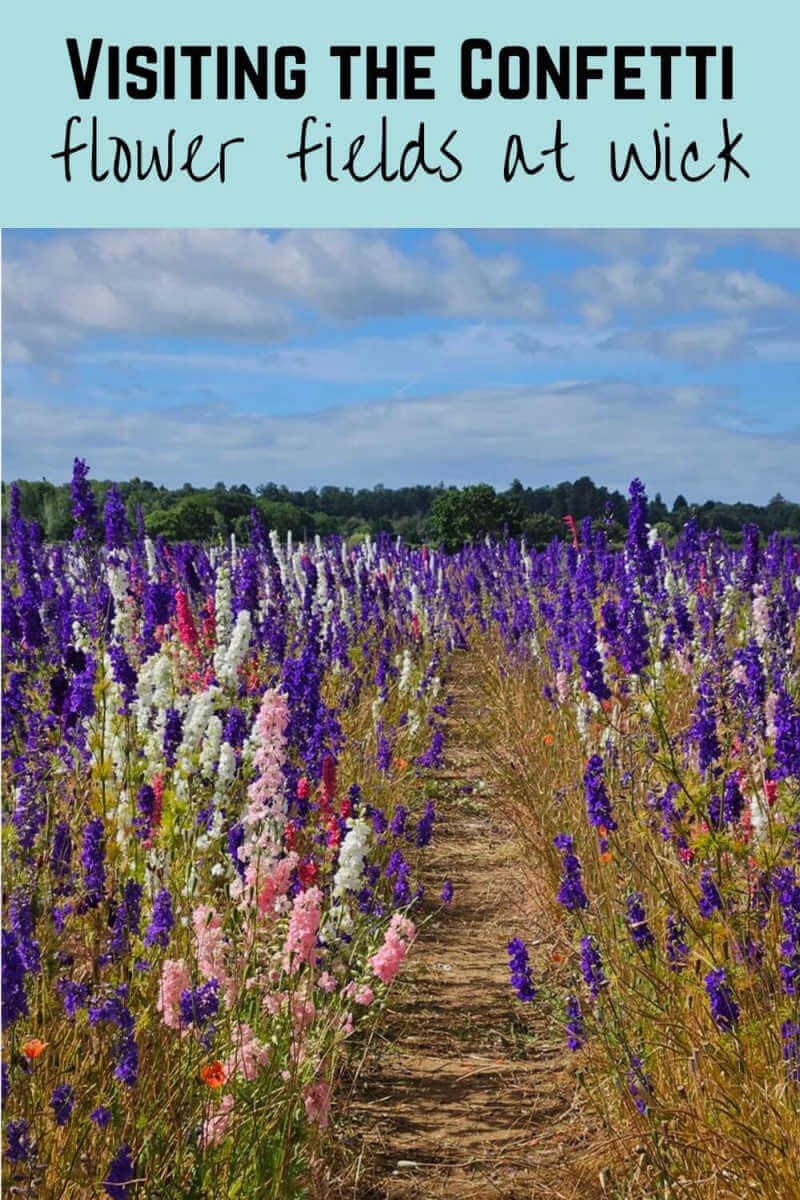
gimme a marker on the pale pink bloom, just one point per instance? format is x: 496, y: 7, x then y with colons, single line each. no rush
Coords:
x: 327, y: 982
x: 347, y: 1024
x: 247, y: 1056
x: 317, y: 1099
x: 211, y: 948
x: 175, y: 978
x: 364, y: 995
x: 562, y: 685
x: 399, y: 936
x: 274, y: 1002
x: 276, y: 884
x: 303, y: 1013
x: 301, y: 936
x: 216, y: 1126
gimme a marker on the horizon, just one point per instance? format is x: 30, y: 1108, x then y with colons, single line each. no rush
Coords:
x: 298, y: 355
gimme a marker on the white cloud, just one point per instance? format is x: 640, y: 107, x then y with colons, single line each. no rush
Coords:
x: 241, y: 284
x: 608, y: 431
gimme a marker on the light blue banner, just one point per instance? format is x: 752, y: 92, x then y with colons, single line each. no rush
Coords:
x: 755, y: 131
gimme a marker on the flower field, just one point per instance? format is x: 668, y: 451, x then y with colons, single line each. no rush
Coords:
x: 218, y: 770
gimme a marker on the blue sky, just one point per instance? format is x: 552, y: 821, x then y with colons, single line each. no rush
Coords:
x: 357, y: 357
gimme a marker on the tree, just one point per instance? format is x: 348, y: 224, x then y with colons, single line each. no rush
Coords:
x: 460, y: 516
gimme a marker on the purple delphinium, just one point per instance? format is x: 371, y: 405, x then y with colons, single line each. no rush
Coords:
x: 173, y: 729
x: 397, y: 825
x: 639, y: 1084
x: 235, y: 840
x: 84, y: 505
x: 101, y: 1116
x: 162, y: 920
x: 120, y: 1174
x: 703, y: 730
x: 574, y: 1023
x: 787, y: 736
x: 18, y: 1141
x: 115, y: 520
x: 710, y: 899
x: 677, y: 949
x: 20, y: 918
x: 598, y: 805
x: 14, y: 1000
x: 724, y: 1009
x: 74, y: 996
x: 592, y: 966
x: 790, y: 1037
x: 447, y: 892
x: 126, y: 918
x: 520, y: 971
x: 61, y: 855
x: 93, y: 861
x: 62, y: 1102
x: 636, y: 919
x: 126, y: 1053
x: 787, y: 892
x: 198, y: 1005
x: 424, y: 830
x: 570, y: 893
x: 145, y: 803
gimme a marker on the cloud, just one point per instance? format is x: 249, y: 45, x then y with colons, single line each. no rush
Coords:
x: 241, y: 284
x: 676, y: 439
x: 699, y: 345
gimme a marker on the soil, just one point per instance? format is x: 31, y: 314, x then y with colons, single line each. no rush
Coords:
x: 471, y: 1094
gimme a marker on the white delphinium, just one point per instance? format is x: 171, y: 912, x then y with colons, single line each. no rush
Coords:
x: 150, y: 553
x: 352, y: 854
x: 239, y: 643
x: 226, y: 767
x: 760, y: 617
x: 404, y: 681
x: 209, y: 749
x: 223, y: 616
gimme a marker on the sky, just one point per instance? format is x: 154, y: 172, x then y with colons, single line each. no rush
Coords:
x: 347, y: 357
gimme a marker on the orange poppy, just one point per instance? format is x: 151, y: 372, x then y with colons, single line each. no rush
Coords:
x: 213, y: 1074
x: 32, y: 1047
x: 605, y: 856
x: 401, y: 764
x: 548, y: 739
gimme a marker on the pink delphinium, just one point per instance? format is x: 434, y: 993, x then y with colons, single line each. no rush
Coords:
x: 211, y: 947
x: 186, y: 627
x: 175, y: 978
x: 248, y: 1055
x: 274, y: 887
x: 399, y: 937
x: 216, y: 1126
x: 364, y: 996
x: 301, y: 936
x: 317, y: 1099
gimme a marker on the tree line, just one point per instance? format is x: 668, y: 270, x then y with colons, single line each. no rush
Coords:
x: 424, y: 512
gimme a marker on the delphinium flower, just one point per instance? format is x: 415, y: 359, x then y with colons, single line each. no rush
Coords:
x: 198, y: 1005
x: 588, y: 656
x: 447, y: 892
x: 636, y: 918
x: 74, y: 996
x: 115, y: 520
x: 790, y: 1037
x: 173, y: 729
x: 175, y: 981
x: 574, y: 1023
x: 20, y: 918
x: 399, y: 936
x: 126, y: 918
x: 677, y: 948
x: 703, y: 730
x: 84, y: 505
x: 787, y: 891
x: 424, y: 830
x: 724, y: 1009
x: 520, y: 971
x: 14, y: 1000
x: 18, y: 1141
x: 639, y: 1084
x: 62, y: 1102
x: 598, y: 805
x: 397, y: 825
x: 162, y: 920
x: 570, y: 893
x: 101, y: 1116
x: 787, y: 736
x: 145, y: 804
x: 301, y: 936
x: 592, y: 966
x: 122, y: 672
x: 120, y: 1174
x: 710, y: 900
x: 93, y: 861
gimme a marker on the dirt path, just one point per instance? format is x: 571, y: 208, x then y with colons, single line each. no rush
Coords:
x: 468, y: 1097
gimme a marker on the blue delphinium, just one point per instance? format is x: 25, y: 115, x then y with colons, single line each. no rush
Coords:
x: 724, y: 1009
x: 570, y: 893
x: 710, y: 899
x: 677, y: 949
x: 162, y: 920
x: 120, y: 1174
x: 574, y: 1023
x: 598, y: 805
x: 62, y: 1102
x: 520, y: 971
x: 640, y: 931
x: 592, y: 966
x: 18, y: 1141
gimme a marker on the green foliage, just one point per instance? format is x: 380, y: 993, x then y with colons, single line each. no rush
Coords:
x: 462, y: 515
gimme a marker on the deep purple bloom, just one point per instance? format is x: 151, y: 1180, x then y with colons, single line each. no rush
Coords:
x: 14, y: 1000
x: 637, y: 922
x: 570, y: 893
x: 62, y: 1102
x: 574, y: 1023
x: 162, y: 920
x: 120, y: 1174
x: 424, y: 830
x: 127, y: 1056
x: 520, y: 971
x: 639, y: 1084
x: 710, y: 899
x: 84, y: 505
x: 20, y: 917
x: 397, y: 826
x: 447, y: 892
x: 677, y: 949
x: 61, y: 853
x: 592, y: 966
x: 101, y: 1116
x: 790, y: 1036
x: 198, y: 1005
x: 117, y: 529
x: 598, y: 805
x: 74, y: 996
x: 18, y: 1141
x: 787, y: 892
x: 235, y: 840
x: 93, y: 861
x: 724, y: 1009
x: 145, y: 803
x: 173, y: 729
